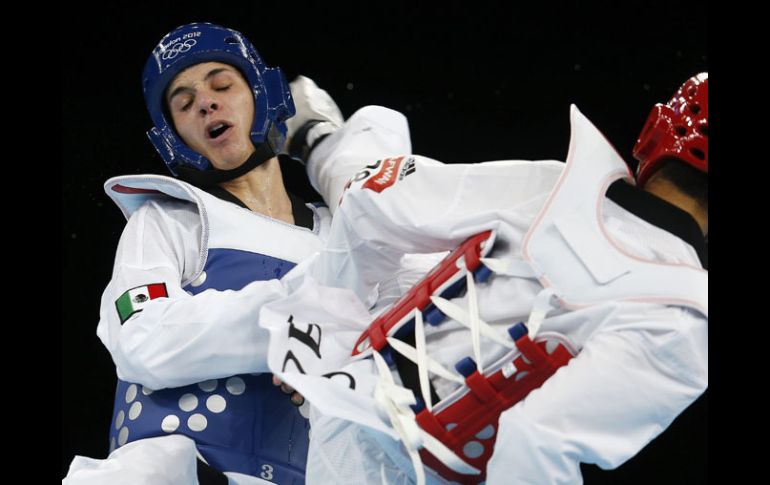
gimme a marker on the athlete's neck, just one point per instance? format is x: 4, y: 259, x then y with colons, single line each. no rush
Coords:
x: 262, y: 190
x: 669, y: 192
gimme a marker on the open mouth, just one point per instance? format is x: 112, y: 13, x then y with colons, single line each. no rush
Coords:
x: 218, y: 130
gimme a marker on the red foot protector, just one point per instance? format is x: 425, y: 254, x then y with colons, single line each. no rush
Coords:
x: 466, y: 421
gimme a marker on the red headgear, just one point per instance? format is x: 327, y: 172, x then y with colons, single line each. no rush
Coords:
x: 678, y: 130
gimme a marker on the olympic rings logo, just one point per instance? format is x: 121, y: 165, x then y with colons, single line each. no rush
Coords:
x: 178, y: 48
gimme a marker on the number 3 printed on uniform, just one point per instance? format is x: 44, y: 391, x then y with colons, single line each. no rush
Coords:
x: 267, y: 472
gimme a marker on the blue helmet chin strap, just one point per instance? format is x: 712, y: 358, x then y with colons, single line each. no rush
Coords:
x: 204, y: 42
x: 205, y: 178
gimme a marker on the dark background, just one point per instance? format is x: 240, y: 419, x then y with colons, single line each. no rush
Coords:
x: 484, y: 81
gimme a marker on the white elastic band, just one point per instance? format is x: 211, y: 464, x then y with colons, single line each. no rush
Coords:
x: 473, y: 313
x: 410, y: 353
x: 511, y: 267
x: 446, y: 455
x: 540, y: 307
x: 519, y: 268
x: 422, y: 368
x: 461, y: 316
x: 395, y: 400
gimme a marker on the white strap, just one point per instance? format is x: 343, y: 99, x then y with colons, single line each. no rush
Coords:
x: 447, y: 456
x: 458, y: 314
x: 544, y: 303
x: 422, y: 368
x: 394, y: 400
x: 473, y: 312
x: 410, y: 353
x: 511, y: 267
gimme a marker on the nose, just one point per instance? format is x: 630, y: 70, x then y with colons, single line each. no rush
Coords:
x: 207, y: 104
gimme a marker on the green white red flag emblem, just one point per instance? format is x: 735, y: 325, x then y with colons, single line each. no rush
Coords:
x: 135, y: 299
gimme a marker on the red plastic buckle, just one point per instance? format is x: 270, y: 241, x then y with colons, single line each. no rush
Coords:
x: 469, y: 424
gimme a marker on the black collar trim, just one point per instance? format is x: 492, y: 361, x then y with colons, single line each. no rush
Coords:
x: 303, y: 215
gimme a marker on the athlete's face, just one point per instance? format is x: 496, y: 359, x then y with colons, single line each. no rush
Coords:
x: 212, y: 109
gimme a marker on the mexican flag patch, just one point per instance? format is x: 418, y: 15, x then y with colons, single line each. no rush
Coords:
x: 135, y: 299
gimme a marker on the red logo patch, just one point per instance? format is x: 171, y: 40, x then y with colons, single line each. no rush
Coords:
x: 386, y: 176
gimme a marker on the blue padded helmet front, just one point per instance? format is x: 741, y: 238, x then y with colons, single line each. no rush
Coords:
x: 204, y: 42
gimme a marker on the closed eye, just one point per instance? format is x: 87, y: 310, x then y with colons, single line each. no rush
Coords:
x: 186, y: 106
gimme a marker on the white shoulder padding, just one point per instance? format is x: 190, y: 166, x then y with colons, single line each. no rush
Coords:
x: 569, y: 244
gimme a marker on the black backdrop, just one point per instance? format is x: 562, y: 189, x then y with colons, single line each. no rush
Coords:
x: 487, y: 82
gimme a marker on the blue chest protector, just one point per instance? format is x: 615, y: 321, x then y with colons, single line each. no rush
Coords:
x: 242, y: 423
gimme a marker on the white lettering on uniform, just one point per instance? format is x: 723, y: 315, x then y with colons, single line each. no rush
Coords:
x: 387, y: 174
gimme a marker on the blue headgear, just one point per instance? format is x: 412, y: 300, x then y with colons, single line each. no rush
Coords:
x: 204, y: 42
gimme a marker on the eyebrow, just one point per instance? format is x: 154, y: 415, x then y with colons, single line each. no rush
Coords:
x: 182, y: 89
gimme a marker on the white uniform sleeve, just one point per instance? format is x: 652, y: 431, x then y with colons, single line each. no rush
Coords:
x: 633, y: 377
x: 371, y: 133
x: 432, y: 208
x: 165, y: 460
x: 181, y: 339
